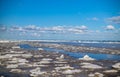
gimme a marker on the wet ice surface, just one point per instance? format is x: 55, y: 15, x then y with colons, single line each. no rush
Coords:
x: 31, y: 61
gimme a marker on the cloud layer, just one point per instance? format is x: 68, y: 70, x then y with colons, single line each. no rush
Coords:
x: 59, y: 32
x: 115, y: 19
x: 54, y: 29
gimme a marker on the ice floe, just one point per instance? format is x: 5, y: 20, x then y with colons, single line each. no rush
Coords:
x: 110, y: 71
x: 64, y: 68
x: 86, y: 57
x: 116, y: 66
x: 36, y: 72
x: 90, y: 66
x: 16, y: 47
x: 97, y: 74
x: 40, y: 49
x: 16, y: 70
x: 12, y: 66
x: 73, y: 71
x: 47, y: 59
x: 62, y: 56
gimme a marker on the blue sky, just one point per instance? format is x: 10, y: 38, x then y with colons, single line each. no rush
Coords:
x: 60, y: 19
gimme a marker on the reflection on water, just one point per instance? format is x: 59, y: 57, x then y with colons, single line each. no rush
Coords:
x: 75, y: 54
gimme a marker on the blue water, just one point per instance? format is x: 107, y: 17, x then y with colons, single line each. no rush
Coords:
x: 75, y: 54
x: 98, y: 45
x: 26, y: 46
x: 80, y: 54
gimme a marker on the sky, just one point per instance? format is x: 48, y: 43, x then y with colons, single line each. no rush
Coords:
x: 59, y: 19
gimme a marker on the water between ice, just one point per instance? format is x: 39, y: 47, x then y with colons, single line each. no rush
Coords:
x: 81, y: 54
x: 75, y: 54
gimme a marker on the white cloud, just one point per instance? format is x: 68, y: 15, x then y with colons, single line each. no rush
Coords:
x: 23, y: 33
x: 36, y: 34
x: 78, y: 29
x: 110, y: 27
x: 83, y: 27
x: 75, y: 30
x: 57, y: 28
x: 37, y: 31
x: 26, y: 28
x: 2, y: 28
x: 115, y: 19
x: 16, y: 28
x: 82, y: 31
x: 31, y: 27
x: 97, y: 31
x: 94, y: 19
